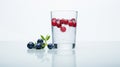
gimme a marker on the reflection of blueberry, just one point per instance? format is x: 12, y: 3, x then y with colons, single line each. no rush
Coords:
x: 50, y: 46
x: 39, y: 41
x: 55, y: 45
x: 40, y: 53
x: 30, y: 45
x: 31, y: 51
x: 38, y: 46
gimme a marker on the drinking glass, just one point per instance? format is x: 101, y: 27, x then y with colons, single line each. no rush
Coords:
x: 64, y: 23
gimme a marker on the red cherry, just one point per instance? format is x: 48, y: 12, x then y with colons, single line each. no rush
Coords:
x: 70, y: 23
x: 63, y: 29
x: 59, y: 25
x: 66, y: 21
x: 74, y: 24
x: 73, y: 19
x: 57, y: 20
x: 54, y: 23
x: 53, y: 19
x: 62, y: 21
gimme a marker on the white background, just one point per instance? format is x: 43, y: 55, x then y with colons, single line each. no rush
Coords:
x: 25, y: 20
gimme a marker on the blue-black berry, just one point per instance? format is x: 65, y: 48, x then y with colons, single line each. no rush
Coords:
x: 38, y: 46
x: 39, y: 41
x: 30, y: 45
x: 55, y: 45
x: 50, y: 46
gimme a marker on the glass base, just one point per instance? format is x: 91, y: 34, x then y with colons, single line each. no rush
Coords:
x: 64, y: 46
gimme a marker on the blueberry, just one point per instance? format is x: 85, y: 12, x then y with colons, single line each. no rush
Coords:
x: 73, y: 45
x: 39, y: 41
x: 30, y: 45
x: 55, y: 45
x: 38, y: 46
x: 50, y: 46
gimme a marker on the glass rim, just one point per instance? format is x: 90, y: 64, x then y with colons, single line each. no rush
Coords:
x: 64, y: 11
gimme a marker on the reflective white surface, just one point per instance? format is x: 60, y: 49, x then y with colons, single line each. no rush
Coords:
x: 86, y: 54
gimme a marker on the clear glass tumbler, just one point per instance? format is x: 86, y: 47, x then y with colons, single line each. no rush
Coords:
x: 64, y: 23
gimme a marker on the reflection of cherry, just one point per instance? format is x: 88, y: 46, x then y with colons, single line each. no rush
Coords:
x: 63, y: 29
x: 70, y: 23
x: 74, y: 24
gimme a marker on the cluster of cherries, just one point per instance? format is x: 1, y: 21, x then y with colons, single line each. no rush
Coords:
x: 60, y: 22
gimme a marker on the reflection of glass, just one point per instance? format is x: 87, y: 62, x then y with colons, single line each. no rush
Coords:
x: 64, y: 24
x: 64, y: 59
